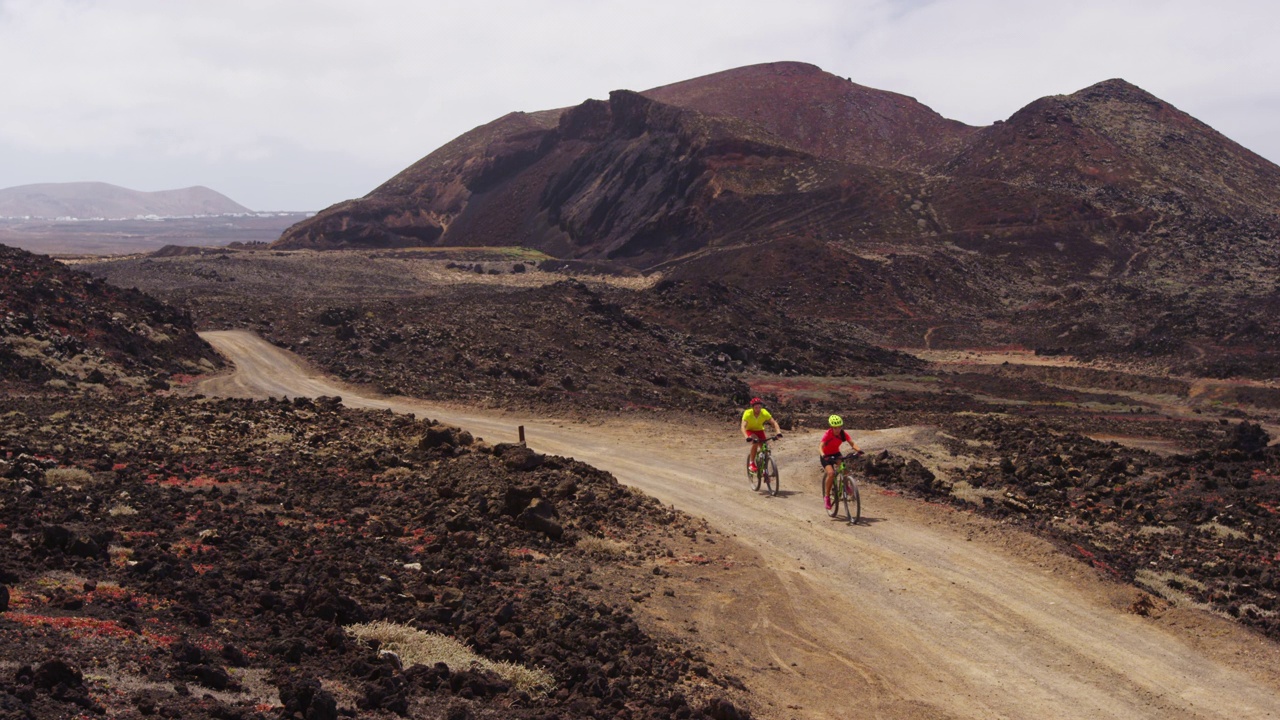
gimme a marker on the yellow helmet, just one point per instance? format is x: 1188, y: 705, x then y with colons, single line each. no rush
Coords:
x: 835, y: 421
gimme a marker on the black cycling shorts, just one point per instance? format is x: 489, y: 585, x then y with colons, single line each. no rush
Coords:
x: 832, y: 460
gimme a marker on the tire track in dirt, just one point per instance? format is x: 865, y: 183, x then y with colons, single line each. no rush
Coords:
x: 920, y: 612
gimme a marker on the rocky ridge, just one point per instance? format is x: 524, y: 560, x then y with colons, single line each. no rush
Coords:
x: 61, y: 327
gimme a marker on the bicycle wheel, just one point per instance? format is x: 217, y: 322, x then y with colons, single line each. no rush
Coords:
x: 753, y: 478
x: 834, y: 497
x: 853, y: 501
x: 771, y: 477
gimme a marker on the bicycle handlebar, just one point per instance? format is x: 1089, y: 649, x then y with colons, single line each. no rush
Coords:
x: 755, y: 440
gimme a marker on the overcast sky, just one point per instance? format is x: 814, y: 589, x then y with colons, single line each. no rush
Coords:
x: 299, y: 104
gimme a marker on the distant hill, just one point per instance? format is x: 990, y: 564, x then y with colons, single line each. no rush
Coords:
x: 95, y: 200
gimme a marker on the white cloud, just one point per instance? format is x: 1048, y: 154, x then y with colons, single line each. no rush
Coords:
x: 238, y: 88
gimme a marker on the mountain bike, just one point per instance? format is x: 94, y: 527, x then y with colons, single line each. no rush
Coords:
x: 766, y: 472
x: 844, y: 490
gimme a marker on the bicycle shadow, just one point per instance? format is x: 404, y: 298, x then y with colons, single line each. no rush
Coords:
x: 781, y: 493
x: 864, y: 520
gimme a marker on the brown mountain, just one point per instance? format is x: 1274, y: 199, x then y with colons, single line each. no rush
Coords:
x: 785, y: 149
x: 644, y: 180
x: 1125, y: 148
x: 1099, y: 222
x: 824, y: 115
x: 95, y: 200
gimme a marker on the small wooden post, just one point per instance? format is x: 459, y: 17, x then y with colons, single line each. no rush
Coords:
x: 522, y: 435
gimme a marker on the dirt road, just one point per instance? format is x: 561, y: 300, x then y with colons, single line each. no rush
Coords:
x: 922, y: 612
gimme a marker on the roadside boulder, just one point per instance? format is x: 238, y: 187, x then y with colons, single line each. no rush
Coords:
x: 439, y: 437
x: 518, y: 457
x: 516, y: 499
x: 306, y: 698
x: 924, y: 481
x: 1247, y: 437
x: 60, y: 681
x: 541, y: 516
x: 722, y: 709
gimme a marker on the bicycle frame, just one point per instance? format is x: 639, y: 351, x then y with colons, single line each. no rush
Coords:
x: 766, y: 469
x: 844, y: 489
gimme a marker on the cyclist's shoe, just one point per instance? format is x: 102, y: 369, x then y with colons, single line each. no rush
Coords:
x: 752, y: 467
x: 827, y: 500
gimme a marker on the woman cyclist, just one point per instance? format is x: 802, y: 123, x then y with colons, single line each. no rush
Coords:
x: 753, y: 422
x: 832, y: 439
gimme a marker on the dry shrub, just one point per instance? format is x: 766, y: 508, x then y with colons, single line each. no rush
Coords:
x: 67, y: 476
x: 27, y: 347
x: 121, y: 510
x: 1160, y: 530
x: 120, y: 555
x: 1222, y: 531
x: 602, y: 546
x: 975, y: 496
x: 416, y: 647
x: 1172, y: 587
x: 256, y: 684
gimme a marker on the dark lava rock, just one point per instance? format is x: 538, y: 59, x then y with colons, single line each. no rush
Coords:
x: 306, y: 699
x: 721, y: 709
x: 1247, y: 437
x: 541, y: 516
x: 60, y: 681
x: 438, y: 437
x: 56, y: 673
x: 518, y: 457
x: 234, y: 656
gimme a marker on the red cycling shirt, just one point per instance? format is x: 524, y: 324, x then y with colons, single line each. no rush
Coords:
x: 832, y: 439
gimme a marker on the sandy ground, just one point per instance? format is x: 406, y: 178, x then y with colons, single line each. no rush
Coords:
x: 919, y: 612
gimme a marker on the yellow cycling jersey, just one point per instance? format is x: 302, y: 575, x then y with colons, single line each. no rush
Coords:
x: 754, y: 421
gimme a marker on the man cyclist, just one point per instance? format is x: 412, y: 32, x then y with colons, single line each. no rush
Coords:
x: 754, y: 419
x: 832, y: 439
